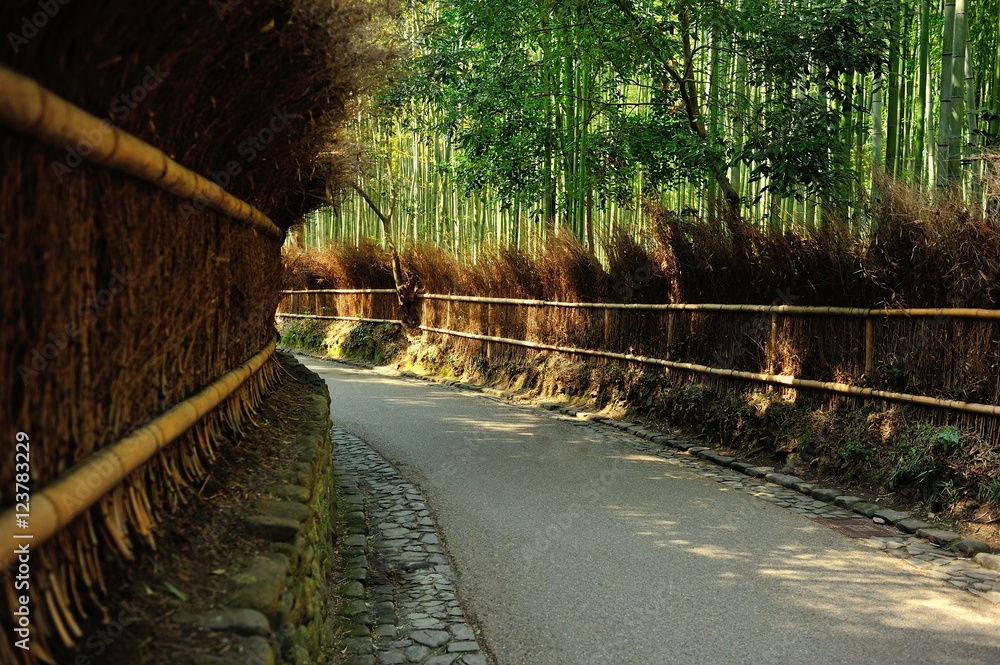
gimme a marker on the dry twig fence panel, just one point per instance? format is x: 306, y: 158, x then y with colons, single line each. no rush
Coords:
x: 27, y: 107
x: 381, y: 305
x: 63, y: 499
x: 60, y: 511
x: 865, y: 316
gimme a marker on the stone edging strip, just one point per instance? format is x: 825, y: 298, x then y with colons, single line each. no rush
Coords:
x: 399, y: 583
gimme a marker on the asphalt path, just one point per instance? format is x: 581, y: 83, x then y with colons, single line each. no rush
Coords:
x: 572, y: 547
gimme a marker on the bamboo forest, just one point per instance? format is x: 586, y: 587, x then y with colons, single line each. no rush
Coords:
x: 501, y: 121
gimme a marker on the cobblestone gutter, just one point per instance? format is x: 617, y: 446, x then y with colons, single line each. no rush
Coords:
x: 400, y: 582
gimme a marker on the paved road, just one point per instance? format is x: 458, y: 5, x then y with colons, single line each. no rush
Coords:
x: 574, y: 548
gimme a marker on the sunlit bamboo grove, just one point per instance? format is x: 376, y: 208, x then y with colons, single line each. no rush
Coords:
x: 508, y: 119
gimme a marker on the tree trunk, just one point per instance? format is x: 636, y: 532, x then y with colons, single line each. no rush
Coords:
x: 406, y: 290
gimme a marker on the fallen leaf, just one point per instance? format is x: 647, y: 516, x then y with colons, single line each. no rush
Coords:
x: 175, y: 591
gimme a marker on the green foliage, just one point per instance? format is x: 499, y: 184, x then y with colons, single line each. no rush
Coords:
x: 821, y: 40
x: 856, y: 452
x: 303, y: 334
x: 507, y: 118
x: 989, y: 492
x: 373, y: 342
x: 921, y: 454
x: 796, y: 148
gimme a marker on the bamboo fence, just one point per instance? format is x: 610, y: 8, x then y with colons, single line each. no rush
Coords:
x: 62, y: 500
x: 867, y: 315
x: 116, y: 490
x: 27, y: 107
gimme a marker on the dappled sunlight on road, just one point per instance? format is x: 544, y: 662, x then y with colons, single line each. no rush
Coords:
x: 575, y: 541
x: 809, y: 578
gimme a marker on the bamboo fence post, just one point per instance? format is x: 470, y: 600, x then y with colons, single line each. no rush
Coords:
x: 671, y: 324
x: 489, y: 329
x: 772, y: 346
x: 607, y: 328
x: 869, y: 346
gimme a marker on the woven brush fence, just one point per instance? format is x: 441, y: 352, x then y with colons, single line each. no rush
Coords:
x: 941, y: 360
x: 139, y: 298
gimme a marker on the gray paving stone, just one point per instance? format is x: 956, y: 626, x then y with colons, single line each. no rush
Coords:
x: 912, y: 525
x: 970, y: 547
x: 429, y: 624
x: 473, y: 659
x: 461, y: 631
x: 783, y: 479
x: 866, y: 508
x: 462, y: 647
x: 416, y: 653
x: 353, y: 590
x: 758, y: 471
x: 825, y: 494
x: 429, y: 638
x: 938, y: 536
x: 387, y: 631
x: 847, y: 500
x: 353, y: 608
x: 356, y: 540
x: 242, y: 621
x: 360, y: 645
x: 891, y: 516
x: 446, y: 659
x: 988, y: 561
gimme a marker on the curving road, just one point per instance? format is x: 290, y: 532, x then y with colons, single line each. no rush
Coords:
x: 574, y: 548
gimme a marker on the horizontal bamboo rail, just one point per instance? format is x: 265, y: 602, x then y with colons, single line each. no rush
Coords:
x: 341, y: 291
x: 805, y: 310
x: 336, y: 318
x: 29, y: 108
x: 773, y: 310
x: 777, y: 379
x: 90, y: 479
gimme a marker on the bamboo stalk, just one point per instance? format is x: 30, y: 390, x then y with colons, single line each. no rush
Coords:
x: 776, y: 379
x: 92, y: 478
x: 29, y: 108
